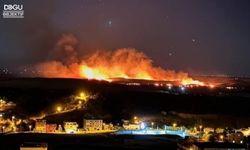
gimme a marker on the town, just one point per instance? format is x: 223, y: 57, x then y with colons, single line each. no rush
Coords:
x: 190, y: 136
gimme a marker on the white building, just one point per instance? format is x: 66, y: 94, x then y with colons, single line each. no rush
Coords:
x: 92, y: 125
x: 70, y: 127
x: 108, y: 126
x: 131, y: 126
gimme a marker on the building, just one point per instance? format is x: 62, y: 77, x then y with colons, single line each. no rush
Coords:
x: 217, y: 146
x: 108, y: 126
x: 236, y: 137
x: 130, y: 126
x: 92, y: 125
x: 51, y: 128
x: 245, y: 131
x: 70, y: 127
x: 40, y: 126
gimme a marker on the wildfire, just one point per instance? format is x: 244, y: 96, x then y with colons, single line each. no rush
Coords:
x: 190, y: 81
x: 92, y: 73
x: 102, y: 73
x: 125, y: 63
x: 105, y: 73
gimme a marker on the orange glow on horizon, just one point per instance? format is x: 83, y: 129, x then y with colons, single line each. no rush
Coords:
x: 92, y: 73
x: 102, y: 73
x: 190, y: 81
x: 126, y: 63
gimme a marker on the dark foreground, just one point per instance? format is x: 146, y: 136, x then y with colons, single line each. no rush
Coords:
x: 116, y: 101
x: 79, y: 142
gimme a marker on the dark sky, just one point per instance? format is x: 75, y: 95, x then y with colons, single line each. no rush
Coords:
x: 198, y: 36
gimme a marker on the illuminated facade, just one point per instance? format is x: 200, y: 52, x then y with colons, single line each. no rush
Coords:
x: 70, y: 127
x: 92, y: 125
x: 40, y: 126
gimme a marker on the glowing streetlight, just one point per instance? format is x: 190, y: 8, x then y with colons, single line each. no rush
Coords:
x: 13, y: 117
x: 83, y: 96
x: 200, y: 127
x: 152, y: 124
x: 221, y: 137
x: 174, y: 125
x: 136, y: 119
x: 58, y: 108
x: 30, y: 127
x: 182, y: 88
x: 3, y: 127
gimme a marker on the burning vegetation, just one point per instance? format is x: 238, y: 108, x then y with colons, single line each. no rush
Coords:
x: 127, y: 63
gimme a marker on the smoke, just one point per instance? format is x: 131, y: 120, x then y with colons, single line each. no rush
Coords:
x: 65, y: 49
x: 64, y: 61
x: 55, y: 69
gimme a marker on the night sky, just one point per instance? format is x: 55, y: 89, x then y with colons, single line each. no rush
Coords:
x: 197, y: 36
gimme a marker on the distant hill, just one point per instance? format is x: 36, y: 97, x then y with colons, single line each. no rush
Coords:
x: 117, y: 101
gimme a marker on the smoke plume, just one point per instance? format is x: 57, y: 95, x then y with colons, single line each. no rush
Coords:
x: 64, y: 61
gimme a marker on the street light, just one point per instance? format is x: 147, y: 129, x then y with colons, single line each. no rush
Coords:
x: 200, y: 127
x: 30, y: 126
x: 3, y: 127
x: 13, y: 117
x: 136, y: 119
x: 152, y: 124
x: 174, y: 125
x: 58, y: 108
x: 83, y: 96
x: 221, y: 137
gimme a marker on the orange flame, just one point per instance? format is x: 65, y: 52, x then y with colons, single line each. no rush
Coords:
x: 92, y: 73
x: 104, y: 65
x: 190, y: 81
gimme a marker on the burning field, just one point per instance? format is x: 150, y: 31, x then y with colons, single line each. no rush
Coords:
x: 127, y: 63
